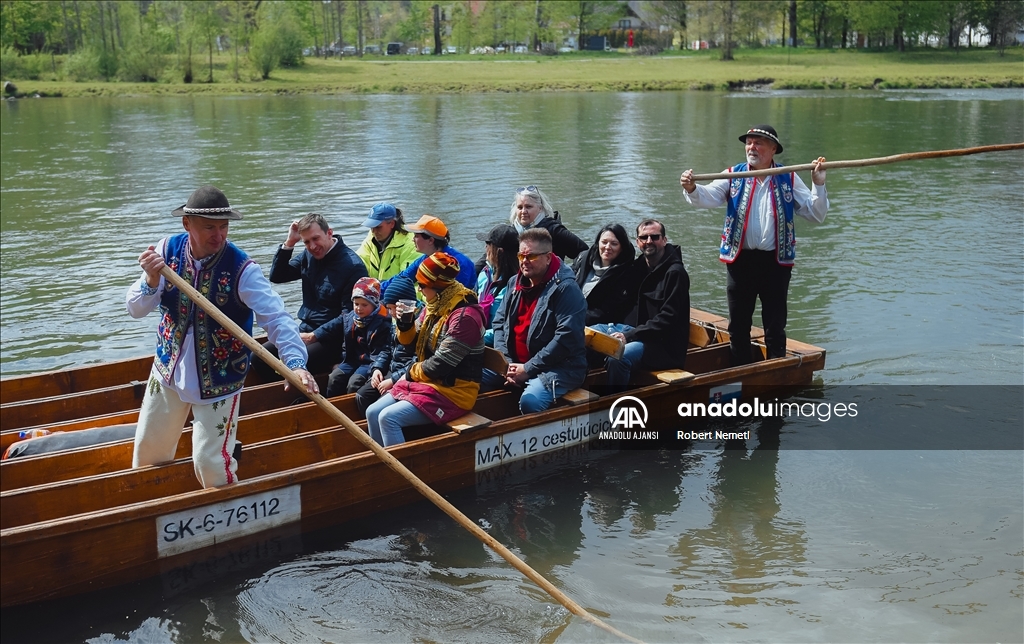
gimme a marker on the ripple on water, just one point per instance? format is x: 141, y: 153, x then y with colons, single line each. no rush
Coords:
x: 379, y: 590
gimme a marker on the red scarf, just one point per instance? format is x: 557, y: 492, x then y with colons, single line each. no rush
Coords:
x: 528, y: 296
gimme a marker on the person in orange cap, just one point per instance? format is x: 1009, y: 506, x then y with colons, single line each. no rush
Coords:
x: 430, y: 236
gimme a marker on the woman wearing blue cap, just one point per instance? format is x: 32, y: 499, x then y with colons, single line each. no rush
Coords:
x: 388, y: 248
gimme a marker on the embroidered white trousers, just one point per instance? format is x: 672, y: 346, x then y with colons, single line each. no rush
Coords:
x: 162, y: 419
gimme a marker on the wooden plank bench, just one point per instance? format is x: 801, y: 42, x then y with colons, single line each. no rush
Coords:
x: 673, y: 376
x: 468, y: 422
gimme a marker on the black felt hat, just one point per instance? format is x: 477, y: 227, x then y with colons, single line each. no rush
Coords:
x: 765, y: 131
x: 208, y: 202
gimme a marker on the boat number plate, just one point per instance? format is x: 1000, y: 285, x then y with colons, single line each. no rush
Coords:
x: 204, y: 526
x: 497, y: 450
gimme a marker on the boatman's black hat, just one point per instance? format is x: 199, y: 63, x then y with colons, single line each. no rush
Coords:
x: 765, y: 131
x: 208, y: 202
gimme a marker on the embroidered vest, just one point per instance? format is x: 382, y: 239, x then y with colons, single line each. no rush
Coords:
x: 738, y: 205
x: 222, y: 360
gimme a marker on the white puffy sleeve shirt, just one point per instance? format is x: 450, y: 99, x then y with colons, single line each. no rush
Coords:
x: 255, y: 291
x: 760, y: 234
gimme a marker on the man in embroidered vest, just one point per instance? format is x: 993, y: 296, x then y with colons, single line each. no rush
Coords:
x: 199, y: 366
x: 329, y: 270
x: 759, y: 238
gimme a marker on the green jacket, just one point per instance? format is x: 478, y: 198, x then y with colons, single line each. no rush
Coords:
x: 396, y: 257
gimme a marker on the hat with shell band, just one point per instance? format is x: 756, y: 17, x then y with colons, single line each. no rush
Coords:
x: 368, y: 289
x: 765, y: 131
x: 208, y: 202
x: 438, y: 271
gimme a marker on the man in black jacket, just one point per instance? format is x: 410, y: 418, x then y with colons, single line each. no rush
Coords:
x: 658, y: 328
x: 328, y: 270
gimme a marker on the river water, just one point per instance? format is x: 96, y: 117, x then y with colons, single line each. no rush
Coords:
x: 914, y: 284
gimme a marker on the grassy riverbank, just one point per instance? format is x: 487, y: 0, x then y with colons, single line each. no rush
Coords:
x: 589, y: 71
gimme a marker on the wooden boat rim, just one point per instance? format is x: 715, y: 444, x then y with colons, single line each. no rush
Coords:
x: 162, y: 505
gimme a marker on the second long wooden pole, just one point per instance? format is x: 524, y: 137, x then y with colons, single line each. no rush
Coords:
x: 861, y: 163
x: 386, y: 457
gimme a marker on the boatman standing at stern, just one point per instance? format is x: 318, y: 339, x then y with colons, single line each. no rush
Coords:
x: 199, y: 366
x: 759, y: 238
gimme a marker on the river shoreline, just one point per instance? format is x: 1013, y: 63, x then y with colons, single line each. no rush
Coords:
x: 581, y: 72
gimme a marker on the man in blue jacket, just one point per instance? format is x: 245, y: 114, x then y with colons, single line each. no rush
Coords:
x: 431, y: 235
x: 539, y: 326
x: 328, y: 270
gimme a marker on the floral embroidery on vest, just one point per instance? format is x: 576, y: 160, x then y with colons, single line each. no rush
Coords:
x: 741, y: 192
x: 223, y: 361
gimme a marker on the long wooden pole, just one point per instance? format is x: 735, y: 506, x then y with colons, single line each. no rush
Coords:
x: 385, y: 456
x: 860, y: 163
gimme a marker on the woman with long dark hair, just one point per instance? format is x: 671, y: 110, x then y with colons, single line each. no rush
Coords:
x: 607, y: 277
x: 502, y: 245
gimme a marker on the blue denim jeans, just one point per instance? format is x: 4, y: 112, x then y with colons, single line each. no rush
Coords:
x: 386, y: 418
x: 536, y: 395
x: 619, y: 370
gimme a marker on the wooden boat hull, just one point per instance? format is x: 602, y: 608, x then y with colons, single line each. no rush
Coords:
x: 67, y: 554
x: 101, y: 524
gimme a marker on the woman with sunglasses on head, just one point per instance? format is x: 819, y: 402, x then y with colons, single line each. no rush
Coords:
x: 531, y: 209
x: 443, y: 381
x: 607, y: 276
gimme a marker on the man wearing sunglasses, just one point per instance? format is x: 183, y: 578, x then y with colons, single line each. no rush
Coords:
x: 656, y: 329
x: 759, y: 238
x: 539, y: 327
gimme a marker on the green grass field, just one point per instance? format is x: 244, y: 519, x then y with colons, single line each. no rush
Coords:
x: 590, y: 71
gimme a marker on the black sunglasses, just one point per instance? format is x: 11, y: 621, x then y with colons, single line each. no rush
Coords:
x: 643, y: 238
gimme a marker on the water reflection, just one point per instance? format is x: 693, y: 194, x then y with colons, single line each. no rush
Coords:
x: 881, y: 283
x: 747, y: 550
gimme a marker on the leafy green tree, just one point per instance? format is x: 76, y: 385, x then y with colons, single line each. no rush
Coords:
x: 237, y: 12
x: 462, y: 23
x: 264, y: 51
x: 757, y: 21
x: 208, y: 26
x: 416, y: 24
x: 279, y: 38
x: 592, y: 14
x: 874, y: 18
x: 1003, y: 19
x: 30, y: 25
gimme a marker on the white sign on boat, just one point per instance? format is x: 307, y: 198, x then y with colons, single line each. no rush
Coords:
x: 204, y: 526
x: 497, y: 450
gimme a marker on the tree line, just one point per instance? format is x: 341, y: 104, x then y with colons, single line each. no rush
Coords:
x: 150, y: 40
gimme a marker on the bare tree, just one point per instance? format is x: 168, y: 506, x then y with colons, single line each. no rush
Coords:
x: 727, y: 8
x: 792, y: 21
x: 437, y: 29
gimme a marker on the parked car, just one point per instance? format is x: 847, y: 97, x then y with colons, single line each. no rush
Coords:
x: 426, y: 51
x: 412, y: 51
x: 372, y: 49
x: 348, y: 50
x: 521, y: 49
x: 394, y: 48
x: 451, y: 49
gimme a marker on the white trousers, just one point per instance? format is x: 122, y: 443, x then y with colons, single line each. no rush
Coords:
x: 162, y: 419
